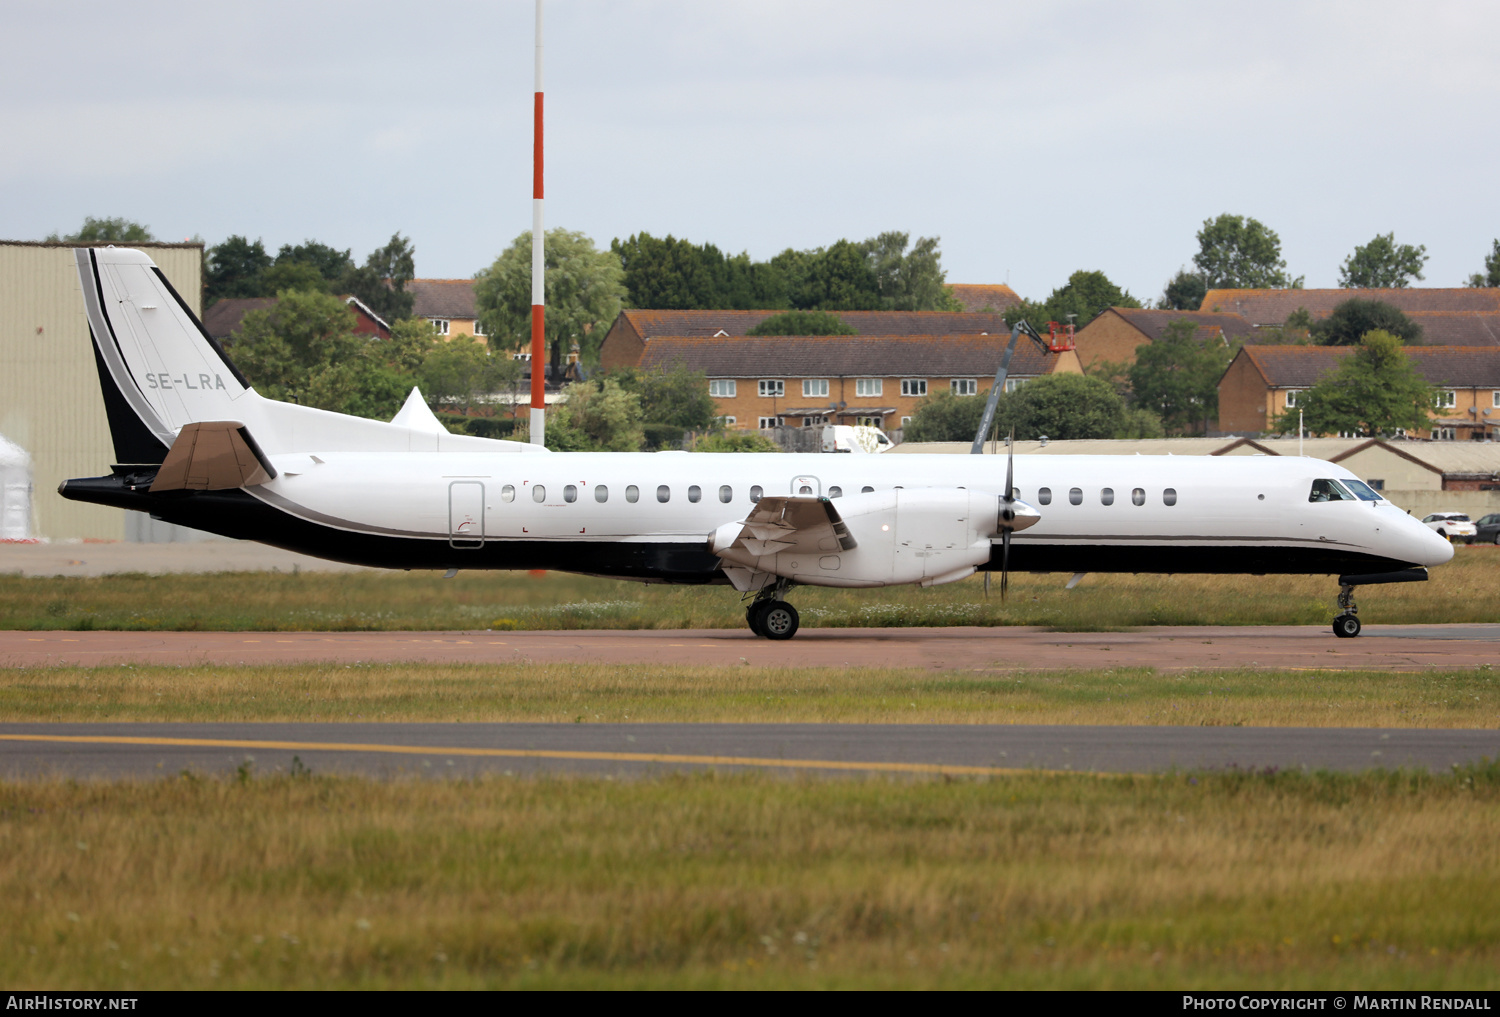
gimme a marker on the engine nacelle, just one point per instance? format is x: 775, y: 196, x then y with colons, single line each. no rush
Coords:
x: 904, y: 535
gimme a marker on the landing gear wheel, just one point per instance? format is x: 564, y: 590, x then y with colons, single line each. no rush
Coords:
x: 754, y: 617
x: 778, y: 620
x: 1346, y: 626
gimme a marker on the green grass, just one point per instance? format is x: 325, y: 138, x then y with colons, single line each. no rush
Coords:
x: 1462, y: 591
x: 597, y: 693
x: 1221, y: 880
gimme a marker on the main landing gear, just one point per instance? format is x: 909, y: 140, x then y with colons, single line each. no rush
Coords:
x: 770, y: 616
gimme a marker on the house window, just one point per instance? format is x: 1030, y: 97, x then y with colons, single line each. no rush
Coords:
x: 1011, y: 384
x: 769, y: 422
x: 1378, y: 485
x: 772, y: 389
x: 913, y: 386
x: 726, y: 421
x: 813, y: 421
x: 867, y: 421
x: 1447, y: 400
x: 868, y: 388
x: 722, y: 388
x: 441, y: 324
x: 964, y: 386
x: 1443, y: 434
x: 905, y: 421
x: 479, y: 327
x: 1496, y: 398
x: 1293, y: 397
x: 813, y: 387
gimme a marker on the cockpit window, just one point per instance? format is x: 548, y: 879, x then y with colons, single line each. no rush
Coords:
x: 1329, y: 490
x: 1362, y: 490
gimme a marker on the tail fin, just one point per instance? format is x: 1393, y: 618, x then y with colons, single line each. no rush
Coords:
x: 158, y: 368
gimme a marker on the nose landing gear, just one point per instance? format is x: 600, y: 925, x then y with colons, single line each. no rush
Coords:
x: 1346, y: 625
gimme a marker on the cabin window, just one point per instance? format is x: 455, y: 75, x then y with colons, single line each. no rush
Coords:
x: 1169, y: 496
x: 755, y: 493
x: 1075, y: 496
x: 570, y: 493
x: 835, y: 492
x: 1328, y: 490
x: 538, y: 493
x: 804, y: 490
x: 508, y: 492
x: 1044, y: 496
x: 601, y: 493
x: 663, y: 494
x: 1361, y: 490
x: 866, y: 490
x: 695, y: 493
x: 1107, y: 496
x: 726, y: 494
x: 632, y: 494
x: 1138, y: 496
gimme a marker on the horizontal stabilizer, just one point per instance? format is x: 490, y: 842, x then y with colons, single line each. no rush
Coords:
x: 213, y: 455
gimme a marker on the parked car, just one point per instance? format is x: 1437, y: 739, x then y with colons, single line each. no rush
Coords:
x: 1453, y: 525
x: 1488, y: 529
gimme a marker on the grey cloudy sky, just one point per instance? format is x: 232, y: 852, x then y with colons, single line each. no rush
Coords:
x: 1035, y: 138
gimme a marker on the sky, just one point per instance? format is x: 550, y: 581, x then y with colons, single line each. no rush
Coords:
x: 1035, y: 139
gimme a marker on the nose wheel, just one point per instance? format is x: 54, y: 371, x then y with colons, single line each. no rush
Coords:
x: 1346, y: 625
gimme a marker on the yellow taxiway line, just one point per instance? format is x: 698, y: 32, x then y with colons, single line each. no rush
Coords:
x: 936, y: 769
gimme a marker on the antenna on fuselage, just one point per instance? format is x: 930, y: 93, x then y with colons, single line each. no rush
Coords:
x: 538, y: 261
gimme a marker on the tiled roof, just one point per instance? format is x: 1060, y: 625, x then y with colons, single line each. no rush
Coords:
x: 985, y: 296
x: 848, y: 356
x: 1444, y: 366
x: 1210, y: 323
x: 650, y: 324
x: 442, y: 298
x: 1273, y: 307
x: 1458, y: 328
x: 223, y: 319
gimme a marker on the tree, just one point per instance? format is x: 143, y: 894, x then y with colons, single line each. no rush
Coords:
x: 804, y: 323
x: 293, y: 275
x: 593, y: 416
x: 584, y: 289
x: 1185, y: 292
x: 117, y: 230
x: 330, y: 263
x: 837, y: 278
x: 1236, y: 252
x: 1491, y: 274
x: 671, y: 274
x: 1374, y: 391
x: 1382, y: 264
x: 944, y: 416
x: 454, y: 373
x: 234, y: 269
x: 1084, y: 296
x: 908, y: 281
x: 282, y: 348
x: 1064, y: 407
x: 381, y: 281
x: 674, y: 395
x: 734, y: 441
x: 1352, y: 319
x: 1177, y: 376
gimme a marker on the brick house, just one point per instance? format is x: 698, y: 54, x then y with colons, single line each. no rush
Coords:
x: 1116, y: 332
x: 625, y: 343
x: 447, y: 303
x: 867, y: 379
x: 1263, y: 381
x: 1271, y: 308
x: 223, y: 319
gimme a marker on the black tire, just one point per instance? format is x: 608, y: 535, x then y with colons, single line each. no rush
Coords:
x: 1346, y: 626
x: 753, y: 617
x: 1497, y: 539
x: 779, y: 620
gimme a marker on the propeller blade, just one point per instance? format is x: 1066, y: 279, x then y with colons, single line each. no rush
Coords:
x: 1004, y: 563
x: 1010, y: 469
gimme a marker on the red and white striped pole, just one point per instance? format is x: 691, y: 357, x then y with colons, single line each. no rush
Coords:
x: 538, y: 262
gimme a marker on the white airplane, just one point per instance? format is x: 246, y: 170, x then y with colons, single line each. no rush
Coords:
x: 198, y: 446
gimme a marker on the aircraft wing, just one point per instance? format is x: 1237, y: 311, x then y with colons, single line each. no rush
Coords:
x: 213, y: 455
x: 792, y: 524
